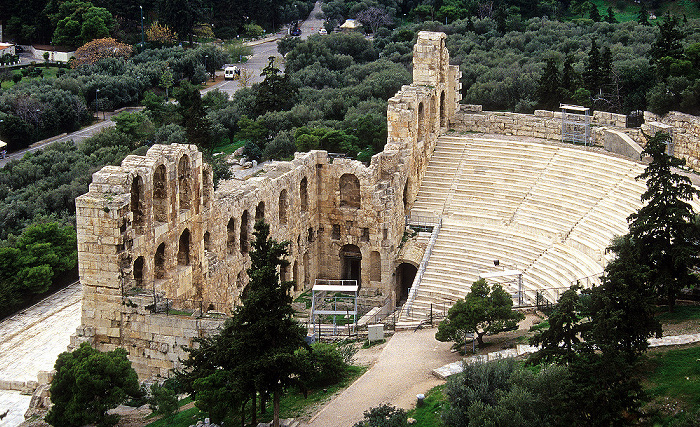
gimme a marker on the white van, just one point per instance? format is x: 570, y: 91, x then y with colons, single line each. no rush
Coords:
x: 231, y: 73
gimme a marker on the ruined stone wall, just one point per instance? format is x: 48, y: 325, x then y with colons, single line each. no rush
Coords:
x: 685, y: 130
x: 154, y: 229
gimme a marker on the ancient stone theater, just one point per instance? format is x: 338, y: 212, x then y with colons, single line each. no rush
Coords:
x: 155, y: 236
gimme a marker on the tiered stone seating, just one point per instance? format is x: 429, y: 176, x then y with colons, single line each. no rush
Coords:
x: 547, y: 210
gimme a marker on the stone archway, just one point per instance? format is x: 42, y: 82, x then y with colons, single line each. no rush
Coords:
x: 405, y: 273
x: 351, y: 263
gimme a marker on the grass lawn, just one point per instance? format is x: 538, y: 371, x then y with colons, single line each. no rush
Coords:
x: 627, y: 10
x: 428, y: 415
x: 676, y: 374
x: 228, y: 147
x: 292, y: 404
x: 49, y: 72
x: 681, y: 313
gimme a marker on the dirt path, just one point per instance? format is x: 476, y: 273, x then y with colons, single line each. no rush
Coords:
x: 403, y: 369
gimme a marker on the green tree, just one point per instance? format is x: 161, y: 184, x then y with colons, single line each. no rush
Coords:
x: 163, y: 400
x: 610, y: 17
x: 643, y: 15
x: 485, y: 310
x: 181, y: 15
x: 193, y: 115
x: 78, y: 22
x: 668, y: 41
x: 664, y: 229
x: 561, y: 340
x: 276, y: 92
x: 87, y: 384
x: 548, y: 88
x: 622, y: 306
x: 254, y: 353
x: 592, y: 73
x: 593, y: 12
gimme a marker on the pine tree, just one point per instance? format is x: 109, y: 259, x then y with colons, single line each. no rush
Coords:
x: 254, y: 353
x: 622, y: 306
x: 548, y: 89
x: 610, y: 17
x: 664, y: 229
x: 668, y: 42
x: 591, y: 75
x: 594, y: 14
x: 643, y: 15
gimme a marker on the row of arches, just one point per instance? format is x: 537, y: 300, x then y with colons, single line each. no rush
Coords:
x: 424, y: 127
x: 185, y: 192
x: 160, y: 265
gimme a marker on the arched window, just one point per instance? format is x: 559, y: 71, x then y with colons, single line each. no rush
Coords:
x: 184, y: 181
x: 160, y: 195
x: 138, y: 272
x: 303, y: 194
x: 375, y: 272
x: 260, y: 212
x: 349, y: 191
x: 307, y: 273
x: 421, y: 119
x: 443, y: 117
x: 183, y: 251
x: 159, y: 262
x: 207, y: 241
x: 295, y: 276
x: 137, y: 203
x: 244, y: 232
x: 283, y: 207
x: 231, y: 236
x: 207, y: 186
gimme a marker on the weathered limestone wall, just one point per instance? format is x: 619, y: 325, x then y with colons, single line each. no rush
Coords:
x: 685, y: 131
x: 608, y: 129
x: 542, y: 124
x: 155, y: 228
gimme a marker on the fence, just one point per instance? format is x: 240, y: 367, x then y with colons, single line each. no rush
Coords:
x: 188, y: 307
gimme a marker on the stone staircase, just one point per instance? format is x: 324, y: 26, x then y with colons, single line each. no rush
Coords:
x: 547, y: 210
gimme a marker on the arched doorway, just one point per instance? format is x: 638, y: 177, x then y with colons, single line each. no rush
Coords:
x: 351, y: 263
x: 405, y: 273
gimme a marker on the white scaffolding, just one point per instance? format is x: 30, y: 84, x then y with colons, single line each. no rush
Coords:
x: 575, y: 124
x: 333, y: 297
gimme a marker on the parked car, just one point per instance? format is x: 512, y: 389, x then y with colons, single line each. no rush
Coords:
x: 322, y: 31
x: 231, y: 73
x: 295, y: 31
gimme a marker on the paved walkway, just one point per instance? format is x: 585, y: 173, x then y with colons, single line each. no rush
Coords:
x: 31, y: 340
x: 403, y: 370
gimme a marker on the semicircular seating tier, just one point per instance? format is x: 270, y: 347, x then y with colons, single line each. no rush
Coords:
x: 546, y: 210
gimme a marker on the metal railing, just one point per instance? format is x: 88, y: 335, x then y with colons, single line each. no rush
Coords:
x: 421, y: 269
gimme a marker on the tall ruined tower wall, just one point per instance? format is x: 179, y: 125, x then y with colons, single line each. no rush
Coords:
x: 154, y: 229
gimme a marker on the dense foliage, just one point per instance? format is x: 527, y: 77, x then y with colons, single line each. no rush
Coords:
x: 257, y: 351
x: 485, y: 310
x: 77, y: 22
x: 664, y: 231
x: 617, y: 67
x: 42, y: 255
x: 87, y: 384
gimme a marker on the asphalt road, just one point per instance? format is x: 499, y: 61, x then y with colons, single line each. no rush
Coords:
x: 266, y: 48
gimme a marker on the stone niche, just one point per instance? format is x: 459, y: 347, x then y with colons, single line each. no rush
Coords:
x: 156, y: 228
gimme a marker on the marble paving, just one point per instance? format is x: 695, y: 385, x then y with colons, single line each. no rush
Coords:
x: 31, y: 340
